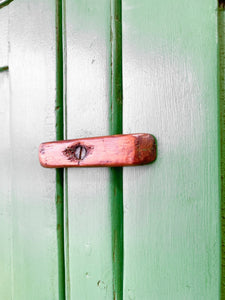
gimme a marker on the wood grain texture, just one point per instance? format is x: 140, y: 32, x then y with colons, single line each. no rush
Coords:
x: 32, y: 118
x: 171, y: 209
x: 89, y: 212
x: 108, y: 151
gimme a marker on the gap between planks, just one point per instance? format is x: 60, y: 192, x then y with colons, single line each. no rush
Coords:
x: 116, y: 174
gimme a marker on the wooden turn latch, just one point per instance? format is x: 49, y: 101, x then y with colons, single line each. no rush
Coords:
x: 105, y: 151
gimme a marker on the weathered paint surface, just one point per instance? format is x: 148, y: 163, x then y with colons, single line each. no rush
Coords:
x: 89, y: 259
x: 171, y: 208
x: 28, y: 218
x: 221, y: 27
x: 5, y: 182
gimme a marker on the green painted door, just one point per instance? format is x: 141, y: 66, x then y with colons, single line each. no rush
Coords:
x: 82, y: 68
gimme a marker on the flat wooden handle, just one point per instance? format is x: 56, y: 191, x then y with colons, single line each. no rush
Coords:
x: 106, y: 151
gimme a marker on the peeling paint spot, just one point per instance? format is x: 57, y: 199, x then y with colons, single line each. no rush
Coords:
x: 101, y: 284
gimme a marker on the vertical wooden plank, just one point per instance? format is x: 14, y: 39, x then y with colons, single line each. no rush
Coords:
x: 171, y: 218
x: 5, y: 179
x: 32, y: 102
x: 5, y: 203
x: 88, y: 216
x: 221, y: 29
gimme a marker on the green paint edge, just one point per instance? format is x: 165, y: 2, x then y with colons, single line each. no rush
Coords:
x: 221, y: 81
x: 116, y: 127
x: 59, y: 112
x: 5, y: 3
x: 66, y: 205
x: 4, y: 69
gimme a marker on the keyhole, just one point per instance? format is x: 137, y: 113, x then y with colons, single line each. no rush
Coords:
x: 80, y: 152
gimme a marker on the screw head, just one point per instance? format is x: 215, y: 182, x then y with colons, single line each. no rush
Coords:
x: 80, y: 152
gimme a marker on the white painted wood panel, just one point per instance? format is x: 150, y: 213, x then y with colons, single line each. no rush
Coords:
x: 32, y: 215
x: 171, y: 208
x: 88, y: 80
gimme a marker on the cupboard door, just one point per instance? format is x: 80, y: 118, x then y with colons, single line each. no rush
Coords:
x: 60, y: 77
x: 171, y: 208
